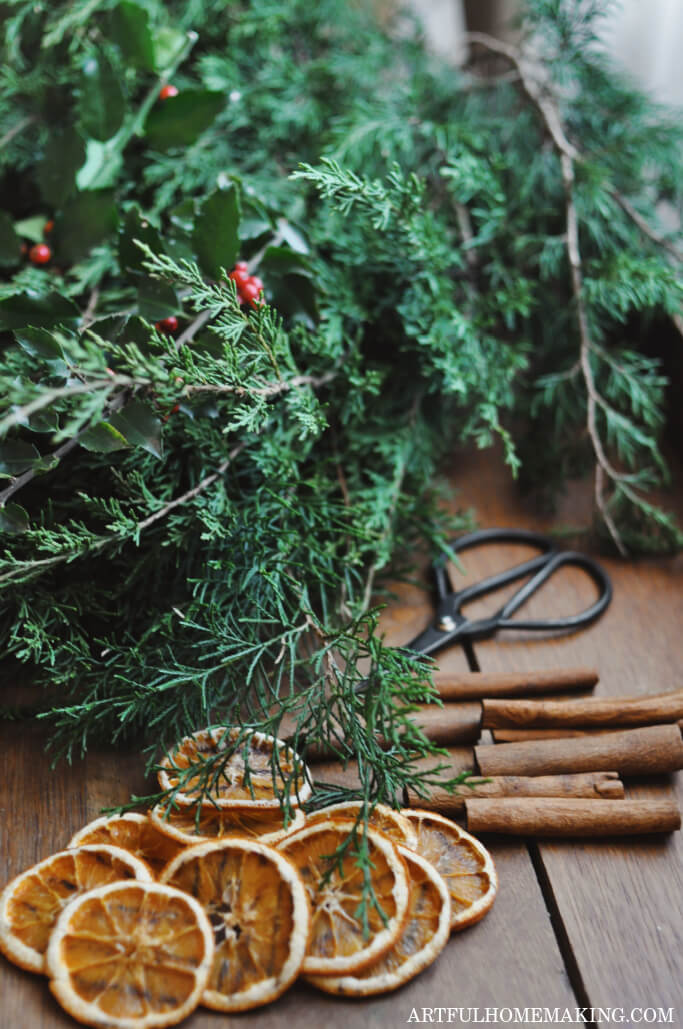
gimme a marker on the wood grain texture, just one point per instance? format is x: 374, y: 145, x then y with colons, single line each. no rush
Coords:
x: 620, y: 903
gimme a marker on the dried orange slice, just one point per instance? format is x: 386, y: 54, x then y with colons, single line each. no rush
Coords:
x: 334, y: 881
x: 255, y: 771
x: 382, y: 817
x: 257, y: 906
x: 181, y: 825
x: 133, y: 832
x: 30, y: 904
x: 422, y: 939
x: 461, y: 860
x: 130, y: 955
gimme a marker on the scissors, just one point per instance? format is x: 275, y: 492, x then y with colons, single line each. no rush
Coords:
x: 451, y: 626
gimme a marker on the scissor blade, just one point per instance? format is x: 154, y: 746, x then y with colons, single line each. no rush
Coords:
x: 429, y: 641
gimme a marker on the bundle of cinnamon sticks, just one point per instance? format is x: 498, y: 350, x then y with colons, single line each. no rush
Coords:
x: 556, y: 766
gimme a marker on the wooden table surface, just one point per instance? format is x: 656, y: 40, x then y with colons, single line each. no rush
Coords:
x: 576, y: 924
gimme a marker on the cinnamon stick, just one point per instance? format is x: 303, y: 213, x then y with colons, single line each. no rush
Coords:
x: 594, y: 785
x: 587, y: 712
x: 554, y: 816
x: 651, y: 750
x: 450, y: 724
x: 474, y: 685
x: 516, y: 735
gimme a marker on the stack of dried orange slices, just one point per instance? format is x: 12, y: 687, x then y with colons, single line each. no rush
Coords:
x: 143, y: 917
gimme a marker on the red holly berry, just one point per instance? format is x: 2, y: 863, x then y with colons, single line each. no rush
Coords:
x: 40, y: 253
x: 48, y: 227
x: 251, y: 292
x: 167, y: 91
x: 240, y: 274
x: 169, y: 324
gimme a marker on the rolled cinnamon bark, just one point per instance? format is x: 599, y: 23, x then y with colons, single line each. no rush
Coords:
x: 474, y: 685
x: 651, y: 750
x: 515, y: 735
x: 554, y: 816
x: 585, y: 713
x: 594, y: 785
x: 450, y: 724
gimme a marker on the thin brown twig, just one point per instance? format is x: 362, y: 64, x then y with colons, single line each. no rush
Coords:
x: 16, y: 129
x: 568, y: 156
x: 103, y: 541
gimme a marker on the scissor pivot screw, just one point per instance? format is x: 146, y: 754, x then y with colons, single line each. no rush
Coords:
x: 446, y: 624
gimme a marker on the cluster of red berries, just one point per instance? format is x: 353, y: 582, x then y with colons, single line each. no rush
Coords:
x: 249, y: 287
x: 169, y: 324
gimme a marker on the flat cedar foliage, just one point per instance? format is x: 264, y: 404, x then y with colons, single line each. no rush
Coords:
x: 195, y: 521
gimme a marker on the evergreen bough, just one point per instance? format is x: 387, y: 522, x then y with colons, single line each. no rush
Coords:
x: 194, y: 527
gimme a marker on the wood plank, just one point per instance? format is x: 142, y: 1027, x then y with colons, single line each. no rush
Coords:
x: 510, y: 958
x: 621, y: 902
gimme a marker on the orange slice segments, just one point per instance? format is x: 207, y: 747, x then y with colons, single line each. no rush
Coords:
x: 339, y: 943
x: 181, y: 825
x: 254, y: 772
x: 31, y: 903
x: 130, y: 955
x: 133, y: 832
x: 257, y: 906
x: 462, y: 861
x: 382, y: 817
x: 420, y: 942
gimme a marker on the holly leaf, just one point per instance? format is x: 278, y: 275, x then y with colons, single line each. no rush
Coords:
x: 46, y: 311
x: 17, y: 457
x: 156, y: 300
x: 40, y: 343
x: 86, y: 220
x: 135, y: 226
x: 168, y: 46
x: 180, y: 120
x: 101, y: 103
x: 63, y: 155
x: 10, y: 244
x: 283, y: 261
x: 140, y: 426
x: 216, y: 233
x: 13, y: 519
x: 102, y: 165
x: 103, y: 438
x: 32, y: 228
x: 129, y: 28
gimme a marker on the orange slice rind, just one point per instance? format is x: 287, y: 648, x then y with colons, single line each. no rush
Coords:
x: 382, y: 817
x: 461, y: 860
x: 259, y: 911
x: 339, y: 943
x: 31, y: 903
x: 131, y: 955
x: 182, y: 826
x: 256, y: 771
x: 133, y: 832
x: 420, y: 942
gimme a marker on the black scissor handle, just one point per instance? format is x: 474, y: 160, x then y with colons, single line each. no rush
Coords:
x: 444, y: 586
x: 560, y: 559
x: 540, y: 568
